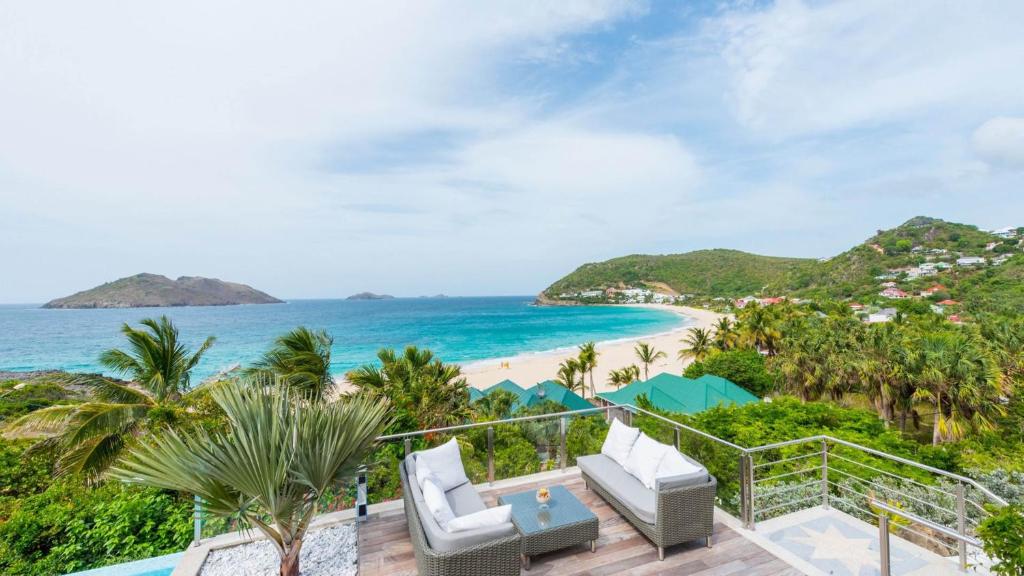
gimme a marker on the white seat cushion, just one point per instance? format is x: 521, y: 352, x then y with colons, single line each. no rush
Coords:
x: 482, y: 519
x: 674, y: 464
x: 644, y: 459
x: 446, y: 462
x: 433, y: 495
x: 619, y: 441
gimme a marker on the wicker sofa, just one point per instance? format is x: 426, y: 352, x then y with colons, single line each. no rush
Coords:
x: 679, y: 509
x: 493, y: 550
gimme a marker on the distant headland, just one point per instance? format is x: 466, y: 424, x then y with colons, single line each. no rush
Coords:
x: 153, y: 290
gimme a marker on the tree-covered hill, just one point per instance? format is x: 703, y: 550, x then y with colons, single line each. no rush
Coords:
x: 705, y: 272
x: 917, y: 254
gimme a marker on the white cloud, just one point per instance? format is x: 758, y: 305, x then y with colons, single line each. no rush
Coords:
x: 800, y: 68
x: 1001, y: 141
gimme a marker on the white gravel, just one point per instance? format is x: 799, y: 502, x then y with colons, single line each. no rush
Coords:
x: 327, y: 552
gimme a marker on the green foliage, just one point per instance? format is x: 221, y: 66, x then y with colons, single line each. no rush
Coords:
x: 1003, y: 536
x: 32, y: 396
x: 22, y: 474
x: 745, y: 368
x: 301, y: 360
x: 70, y: 527
x: 584, y: 436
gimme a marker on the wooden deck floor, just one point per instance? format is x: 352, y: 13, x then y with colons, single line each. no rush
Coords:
x: 385, y: 549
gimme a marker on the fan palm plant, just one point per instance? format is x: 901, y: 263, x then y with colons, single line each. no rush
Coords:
x: 699, y: 345
x: 282, y: 452
x: 588, y: 361
x: 301, y: 360
x: 647, y: 355
x: 425, y: 392
x: 88, y: 437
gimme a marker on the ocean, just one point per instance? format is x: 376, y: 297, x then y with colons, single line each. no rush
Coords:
x: 459, y: 330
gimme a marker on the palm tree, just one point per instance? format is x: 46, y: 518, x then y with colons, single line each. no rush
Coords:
x: 624, y: 376
x: 699, y: 345
x: 726, y: 337
x: 301, y: 359
x: 425, y: 392
x: 280, y: 455
x: 960, y: 378
x: 588, y: 361
x: 90, y: 436
x: 648, y: 355
x: 571, y: 374
x: 758, y: 327
x: 495, y: 406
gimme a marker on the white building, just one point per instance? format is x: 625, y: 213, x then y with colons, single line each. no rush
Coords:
x: 970, y: 261
x: 883, y: 315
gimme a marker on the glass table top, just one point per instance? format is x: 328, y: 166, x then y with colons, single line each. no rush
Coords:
x: 529, y: 516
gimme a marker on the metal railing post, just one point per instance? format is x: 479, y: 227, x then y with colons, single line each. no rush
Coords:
x: 197, y: 521
x: 824, y: 474
x: 490, y: 454
x: 744, y: 507
x: 678, y: 432
x: 408, y: 447
x: 750, y: 491
x: 961, y: 525
x: 563, y: 452
x: 883, y: 543
x: 361, y: 506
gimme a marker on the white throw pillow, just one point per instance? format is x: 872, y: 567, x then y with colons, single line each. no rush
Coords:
x: 481, y: 519
x: 619, y: 441
x: 644, y: 459
x: 422, y: 473
x: 673, y: 464
x: 446, y: 462
x: 438, y: 505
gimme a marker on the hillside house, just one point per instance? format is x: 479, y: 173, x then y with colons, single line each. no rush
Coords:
x: 893, y: 293
x: 883, y: 315
x: 970, y: 261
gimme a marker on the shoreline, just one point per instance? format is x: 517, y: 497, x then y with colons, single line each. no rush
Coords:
x: 529, y: 368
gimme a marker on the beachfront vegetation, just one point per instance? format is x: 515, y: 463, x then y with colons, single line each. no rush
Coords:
x: 91, y: 435
x: 301, y: 360
x: 282, y: 452
x: 587, y: 362
x: 647, y: 355
x: 698, y: 344
x: 424, y: 391
x: 624, y: 376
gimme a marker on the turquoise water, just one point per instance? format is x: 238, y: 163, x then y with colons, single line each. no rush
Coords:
x: 457, y: 329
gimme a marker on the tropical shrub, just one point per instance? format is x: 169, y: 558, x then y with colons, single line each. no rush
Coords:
x: 744, y: 368
x: 1003, y: 537
x: 70, y: 527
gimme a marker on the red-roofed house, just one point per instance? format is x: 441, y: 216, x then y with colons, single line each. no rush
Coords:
x: 933, y: 290
x: 955, y: 319
x: 949, y: 302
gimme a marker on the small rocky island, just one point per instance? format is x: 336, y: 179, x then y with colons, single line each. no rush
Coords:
x: 154, y: 290
x: 369, y: 296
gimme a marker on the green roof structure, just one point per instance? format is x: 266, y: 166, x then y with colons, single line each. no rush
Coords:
x: 506, y: 385
x: 547, y: 390
x: 678, y: 394
x: 551, y: 390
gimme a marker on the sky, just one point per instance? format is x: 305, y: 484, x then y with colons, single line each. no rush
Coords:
x: 317, y: 149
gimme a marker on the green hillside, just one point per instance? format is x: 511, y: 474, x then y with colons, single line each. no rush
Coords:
x: 921, y: 239
x: 899, y: 255
x: 704, y: 272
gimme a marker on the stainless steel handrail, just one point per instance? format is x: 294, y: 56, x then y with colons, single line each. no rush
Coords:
x: 883, y: 536
x: 988, y: 493
x: 684, y: 427
x: 471, y: 425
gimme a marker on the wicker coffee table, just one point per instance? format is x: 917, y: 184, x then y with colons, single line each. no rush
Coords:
x: 563, y: 523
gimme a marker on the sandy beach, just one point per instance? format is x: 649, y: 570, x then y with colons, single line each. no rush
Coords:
x: 528, y: 369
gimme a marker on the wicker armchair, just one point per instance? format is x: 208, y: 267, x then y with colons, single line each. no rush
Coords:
x: 499, y: 557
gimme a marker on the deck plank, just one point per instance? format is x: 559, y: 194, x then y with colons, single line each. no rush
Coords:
x: 385, y: 548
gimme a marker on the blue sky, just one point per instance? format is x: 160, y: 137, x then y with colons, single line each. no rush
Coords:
x: 487, y: 148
